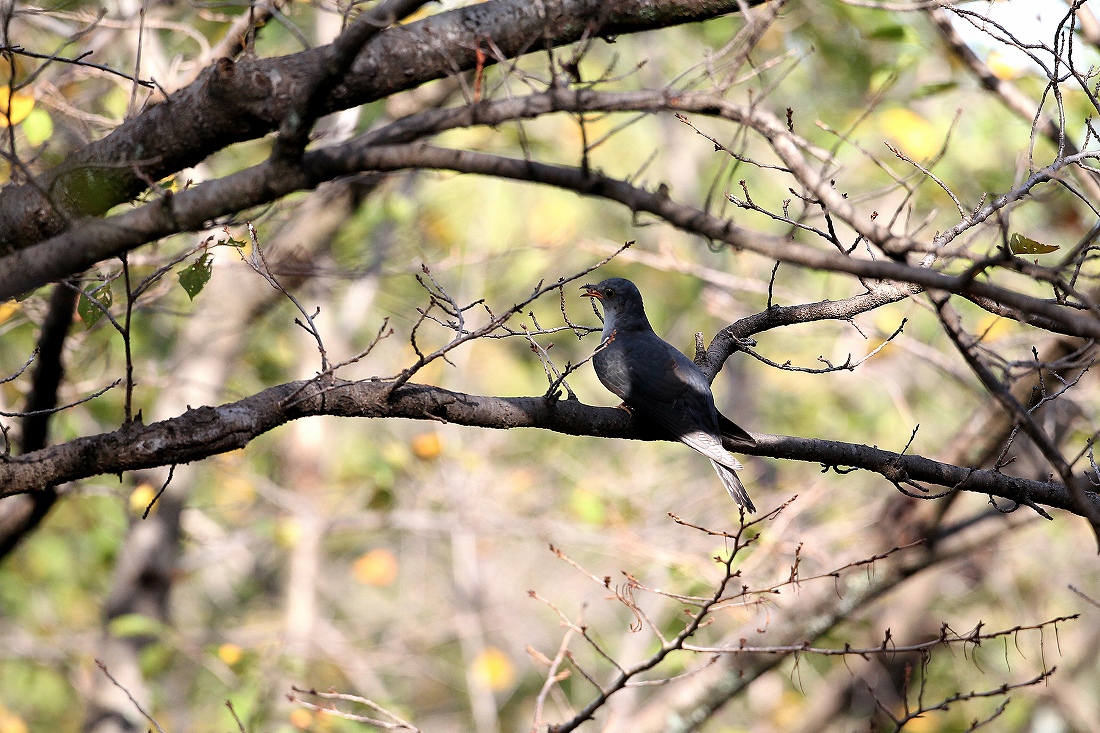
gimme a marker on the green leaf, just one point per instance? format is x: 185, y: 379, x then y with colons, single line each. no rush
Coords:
x: 194, y: 277
x: 400, y: 209
x: 587, y: 506
x: 135, y: 624
x: 156, y: 659
x: 1021, y: 245
x: 87, y: 309
x: 895, y: 33
x: 931, y: 90
x: 38, y: 127
x: 883, y: 79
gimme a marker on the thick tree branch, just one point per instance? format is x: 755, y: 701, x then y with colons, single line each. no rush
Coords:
x: 96, y: 240
x: 92, y: 239
x: 207, y: 431
x: 19, y: 516
x: 339, y: 56
x: 232, y: 102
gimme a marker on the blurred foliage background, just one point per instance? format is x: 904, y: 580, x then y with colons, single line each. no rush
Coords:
x: 393, y: 559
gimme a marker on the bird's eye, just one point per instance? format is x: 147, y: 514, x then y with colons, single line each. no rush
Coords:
x: 609, y: 293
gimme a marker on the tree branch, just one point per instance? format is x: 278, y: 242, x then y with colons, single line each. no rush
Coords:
x: 96, y: 239
x: 236, y: 101
x: 19, y: 517
x: 207, y: 431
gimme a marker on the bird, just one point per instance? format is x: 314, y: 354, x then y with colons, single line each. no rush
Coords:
x: 662, y: 385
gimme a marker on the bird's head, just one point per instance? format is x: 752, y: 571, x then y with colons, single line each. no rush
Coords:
x: 622, y: 303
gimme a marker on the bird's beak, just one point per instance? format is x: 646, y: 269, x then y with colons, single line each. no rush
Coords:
x: 590, y: 292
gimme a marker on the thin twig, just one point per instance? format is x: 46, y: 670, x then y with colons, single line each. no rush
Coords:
x: 137, y: 705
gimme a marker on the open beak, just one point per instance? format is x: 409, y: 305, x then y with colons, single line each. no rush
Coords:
x: 590, y: 292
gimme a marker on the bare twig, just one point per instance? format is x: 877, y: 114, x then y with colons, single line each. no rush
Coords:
x: 395, y: 722
x: 140, y: 709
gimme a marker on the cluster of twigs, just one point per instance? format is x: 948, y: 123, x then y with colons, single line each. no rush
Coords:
x: 732, y: 590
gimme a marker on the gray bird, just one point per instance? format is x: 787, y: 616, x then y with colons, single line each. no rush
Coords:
x: 662, y: 385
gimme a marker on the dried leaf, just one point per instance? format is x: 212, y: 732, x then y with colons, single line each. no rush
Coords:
x: 1021, y: 245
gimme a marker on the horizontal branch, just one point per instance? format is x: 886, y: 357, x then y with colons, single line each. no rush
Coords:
x: 207, y: 431
x: 91, y: 239
x: 97, y: 240
x: 726, y: 341
x: 699, y: 222
x: 236, y: 101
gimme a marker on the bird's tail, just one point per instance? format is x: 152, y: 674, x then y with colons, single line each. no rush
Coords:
x: 733, y: 486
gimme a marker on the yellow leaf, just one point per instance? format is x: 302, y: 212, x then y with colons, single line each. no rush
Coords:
x: 377, y: 567
x: 493, y: 669
x: 230, y: 654
x: 21, y: 68
x: 7, y: 310
x: 235, y: 491
x: 135, y: 625
x: 553, y: 221
x: 396, y: 455
x: 915, y: 135
x: 115, y: 102
x: 140, y: 498
x: 1003, y: 65
x: 21, y: 104
x: 10, y: 722
x: 301, y: 718
x: 427, y: 446
x: 991, y: 327
x: 288, y: 532
x: 520, y: 480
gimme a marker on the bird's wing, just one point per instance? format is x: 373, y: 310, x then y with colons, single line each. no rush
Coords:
x: 683, y: 389
x: 665, y: 386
